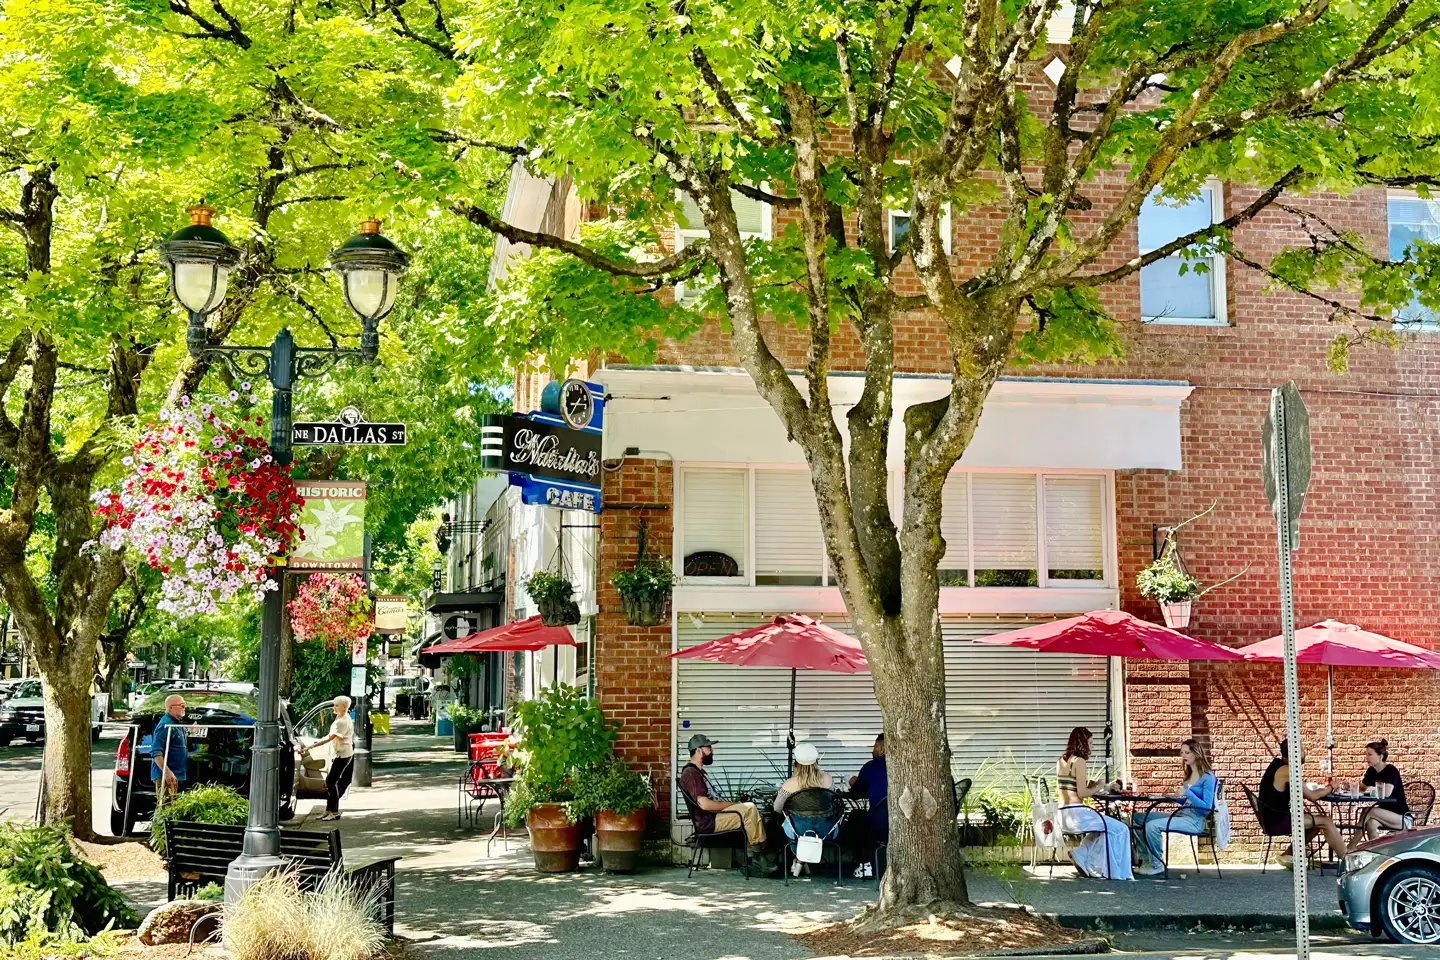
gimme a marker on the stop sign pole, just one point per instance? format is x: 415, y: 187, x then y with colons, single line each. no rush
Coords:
x: 1287, y: 477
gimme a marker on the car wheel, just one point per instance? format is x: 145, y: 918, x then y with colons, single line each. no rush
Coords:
x: 119, y: 826
x: 1410, y: 905
x: 95, y: 734
x: 4, y: 741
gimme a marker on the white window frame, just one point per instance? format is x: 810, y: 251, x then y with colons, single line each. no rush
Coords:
x: 946, y: 237
x: 1432, y: 324
x: 686, y: 235
x: 1216, y: 275
x: 1043, y: 580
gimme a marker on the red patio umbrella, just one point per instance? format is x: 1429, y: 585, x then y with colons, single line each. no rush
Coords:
x: 792, y: 640
x: 527, y: 635
x: 1112, y: 633
x: 1337, y: 644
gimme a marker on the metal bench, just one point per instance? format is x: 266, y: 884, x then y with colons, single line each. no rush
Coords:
x: 200, y: 854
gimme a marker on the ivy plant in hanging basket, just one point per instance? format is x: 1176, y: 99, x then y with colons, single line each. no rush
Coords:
x: 1167, y: 584
x: 554, y: 597
x: 645, y: 590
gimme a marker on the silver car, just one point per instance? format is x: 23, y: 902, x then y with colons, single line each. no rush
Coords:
x: 1392, y: 885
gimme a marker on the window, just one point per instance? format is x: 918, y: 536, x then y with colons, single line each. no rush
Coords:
x: 789, y: 548
x: 715, y: 517
x: 900, y: 226
x: 1074, y: 528
x: 752, y: 216
x: 955, y: 528
x: 1178, y: 289
x: 1006, y: 550
x: 1413, y: 219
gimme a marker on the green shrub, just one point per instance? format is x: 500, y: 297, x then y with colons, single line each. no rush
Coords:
x: 48, y: 892
x: 466, y: 718
x: 211, y: 891
x: 609, y: 785
x: 207, y: 804
x: 554, y: 738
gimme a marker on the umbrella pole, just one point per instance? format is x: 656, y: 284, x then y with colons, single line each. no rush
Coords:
x: 1330, y: 717
x: 790, y: 739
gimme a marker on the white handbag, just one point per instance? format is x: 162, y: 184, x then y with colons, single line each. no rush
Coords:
x: 809, y: 848
x: 1045, y: 818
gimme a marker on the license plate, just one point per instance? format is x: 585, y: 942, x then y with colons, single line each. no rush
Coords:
x: 199, y: 733
x: 32, y: 728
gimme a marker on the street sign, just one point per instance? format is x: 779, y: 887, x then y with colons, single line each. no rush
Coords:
x: 349, y: 430
x: 1286, y: 438
x: 1292, y: 443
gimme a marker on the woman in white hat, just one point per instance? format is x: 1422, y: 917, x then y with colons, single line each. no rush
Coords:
x: 822, y: 818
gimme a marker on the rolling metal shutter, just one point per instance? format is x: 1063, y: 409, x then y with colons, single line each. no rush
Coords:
x: 1007, y: 706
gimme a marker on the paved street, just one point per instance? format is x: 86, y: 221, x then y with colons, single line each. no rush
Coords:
x: 459, y: 901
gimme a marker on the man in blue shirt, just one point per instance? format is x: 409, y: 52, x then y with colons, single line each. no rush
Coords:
x: 168, y: 749
x: 873, y: 784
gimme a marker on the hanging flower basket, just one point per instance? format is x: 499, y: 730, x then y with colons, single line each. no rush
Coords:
x: 205, y: 504
x: 333, y: 609
x: 644, y: 610
x: 554, y: 598
x: 558, y: 613
x: 1177, y: 615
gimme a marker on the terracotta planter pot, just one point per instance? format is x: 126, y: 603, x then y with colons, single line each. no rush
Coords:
x: 554, y: 840
x: 619, y: 839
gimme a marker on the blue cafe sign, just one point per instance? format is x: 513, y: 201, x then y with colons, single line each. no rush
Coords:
x: 552, y: 454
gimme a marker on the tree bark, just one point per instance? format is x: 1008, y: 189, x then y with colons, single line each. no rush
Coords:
x: 67, y: 747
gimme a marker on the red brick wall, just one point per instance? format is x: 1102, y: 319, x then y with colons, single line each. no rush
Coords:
x: 632, y: 672
x: 1368, y: 535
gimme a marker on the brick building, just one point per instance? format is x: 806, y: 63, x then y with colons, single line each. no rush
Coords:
x: 1052, y: 512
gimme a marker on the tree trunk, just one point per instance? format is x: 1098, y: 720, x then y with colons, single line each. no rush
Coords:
x: 925, y: 864
x: 67, y: 749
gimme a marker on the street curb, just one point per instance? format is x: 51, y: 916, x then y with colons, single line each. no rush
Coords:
x: 1088, y: 946
x: 1190, y: 921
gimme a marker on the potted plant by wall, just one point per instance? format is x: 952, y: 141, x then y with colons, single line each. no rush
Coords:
x: 553, y: 595
x: 466, y: 720
x: 645, y: 590
x: 555, y: 739
x: 1171, y: 587
x: 619, y: 799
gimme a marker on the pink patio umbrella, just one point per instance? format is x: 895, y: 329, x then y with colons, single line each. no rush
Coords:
x: 1112, y: 633
x: 792, y: 640
x: 1337, y: 644
x: 526, y: 635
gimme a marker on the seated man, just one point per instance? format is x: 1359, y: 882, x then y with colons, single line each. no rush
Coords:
x: 1275, y: 806
x: 873, y: 783
x: 714, y: 814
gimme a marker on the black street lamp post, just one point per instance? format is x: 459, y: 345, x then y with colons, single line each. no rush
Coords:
x: 200, y: 259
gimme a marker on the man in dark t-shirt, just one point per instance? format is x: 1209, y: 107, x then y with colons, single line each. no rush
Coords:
x: 1274, y: 800
x: 713, y: 814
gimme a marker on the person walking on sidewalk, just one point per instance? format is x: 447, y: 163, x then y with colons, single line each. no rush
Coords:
x: 342, y: 735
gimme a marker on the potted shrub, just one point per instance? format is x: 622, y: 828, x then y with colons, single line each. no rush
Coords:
x: 466, y: 720
x: 619, y: 799
x: 645, y: 590
x: 554, y: 739
x: 553, y: 595
x: 1174, y: 589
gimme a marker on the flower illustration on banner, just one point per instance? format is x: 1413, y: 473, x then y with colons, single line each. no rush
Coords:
x: 327, y: 529
x: 205, y: 504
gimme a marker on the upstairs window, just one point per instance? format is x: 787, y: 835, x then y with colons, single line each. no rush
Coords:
x: 1413, y: 220
x: 1006, y: 548
x: 1179, y: 289
x: 899, y: 228
x: 789, y: 547
x: 715, y: 519
x: 752, y: 216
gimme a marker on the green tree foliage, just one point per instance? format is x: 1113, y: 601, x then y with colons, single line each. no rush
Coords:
x: 837, y: 113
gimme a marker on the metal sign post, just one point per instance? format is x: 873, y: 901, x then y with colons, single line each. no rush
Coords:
x: 1287, y: 476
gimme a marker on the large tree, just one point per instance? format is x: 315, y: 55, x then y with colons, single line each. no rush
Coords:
x: 295, y: 120
x: 835, y: 113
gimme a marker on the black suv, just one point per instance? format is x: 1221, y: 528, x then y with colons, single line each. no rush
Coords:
x: 221, y: 727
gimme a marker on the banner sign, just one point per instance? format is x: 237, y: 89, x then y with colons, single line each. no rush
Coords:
x: 332, y: 523
x: 391, y: 614
x: 553, y: 457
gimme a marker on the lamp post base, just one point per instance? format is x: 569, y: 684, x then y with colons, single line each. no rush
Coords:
x: 245, y: 871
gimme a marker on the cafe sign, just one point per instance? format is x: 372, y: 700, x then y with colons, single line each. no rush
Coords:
x: 554, y: 462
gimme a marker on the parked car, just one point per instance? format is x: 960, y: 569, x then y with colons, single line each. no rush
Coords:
x: 7, y: 687
x: 1392, y: 886
x: 22, y: 715
x: 221, y: 734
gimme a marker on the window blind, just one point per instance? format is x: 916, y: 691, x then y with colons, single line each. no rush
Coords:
x: 955, y: 528
x: 715, y: 514
x: 788, y: 548
x: 1074, y: 532
x: 750, y: 214
x: 1005, y: 528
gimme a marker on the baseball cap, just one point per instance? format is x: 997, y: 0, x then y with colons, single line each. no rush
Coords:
x: 700, y: 740
x: 806, y: 753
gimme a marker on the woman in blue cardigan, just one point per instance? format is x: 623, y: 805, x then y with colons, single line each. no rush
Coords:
x: 1197, y: 797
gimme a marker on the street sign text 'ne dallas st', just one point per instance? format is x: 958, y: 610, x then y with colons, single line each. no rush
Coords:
x: 350, y: 430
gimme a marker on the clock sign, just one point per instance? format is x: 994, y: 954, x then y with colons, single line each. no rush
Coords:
x: 577, y: 404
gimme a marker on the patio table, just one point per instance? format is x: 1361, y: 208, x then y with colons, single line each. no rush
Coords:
x: 1152, y: 802
x: 1348, y: 810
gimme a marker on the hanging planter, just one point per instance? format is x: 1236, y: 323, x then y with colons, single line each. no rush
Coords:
x: 645, y: 591
x: 1177, y: 615
x: 1172, y: 588
x: 333, y: 609
x: 205, y: 504
x: 554, y: 598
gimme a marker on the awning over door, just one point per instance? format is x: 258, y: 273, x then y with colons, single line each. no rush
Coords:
x: 716, y: 416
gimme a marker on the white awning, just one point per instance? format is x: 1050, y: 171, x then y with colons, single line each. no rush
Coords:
x: 716, y: 416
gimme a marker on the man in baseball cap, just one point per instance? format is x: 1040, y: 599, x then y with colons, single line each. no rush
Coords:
x: 711, y: 814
